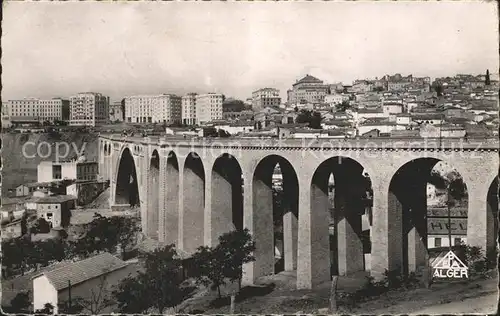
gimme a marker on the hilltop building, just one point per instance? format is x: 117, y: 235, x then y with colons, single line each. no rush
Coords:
x: 163, y: 108
x: 88, y: 109
x: 265, y: 97
x: 50, y: 110
x: 208, y: 107
x: 308, y: 90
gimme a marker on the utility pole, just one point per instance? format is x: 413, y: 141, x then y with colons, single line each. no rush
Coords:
x: 440, y: 131
x: 69, y: 297
x: 449, y: 214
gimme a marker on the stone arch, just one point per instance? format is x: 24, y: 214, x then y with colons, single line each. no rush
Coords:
x: 341, y: 195
x: 127, y: 190
x: 194, y: 203
x: 268, y: 215
x: 227, y: 196
x: 152, y: 202
x: 412, y: 221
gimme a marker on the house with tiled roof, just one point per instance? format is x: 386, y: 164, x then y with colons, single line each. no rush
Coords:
x: 382, y: 125
x: 77, y: 279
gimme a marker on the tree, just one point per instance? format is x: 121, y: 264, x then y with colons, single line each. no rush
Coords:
x: 157, y: 286
x: 48, y: 308
x: 210, y: 267
x: 222, y: 133
x: 316, y: 121
x: 342, y: 107
x: 126, y: 229
x: 40, y: 226
x: 457, y: 188
x: 313, y: 119
x: 438, y: 87
x: 237, y: 247
x: 97, y: 300
x: 232, y: 105
x: 130, y: 297
x: 16, y: 255
x: 106, y: 234
x: 487, y: 79
x: 437, y: 180
x: 225, y: 261
x: 452, y: 182
x: 21, y: 302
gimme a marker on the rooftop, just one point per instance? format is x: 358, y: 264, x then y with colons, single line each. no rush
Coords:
x: 53, y: 199
x: 308, y: 79
x: 24, y: 119
x: 84, y: 270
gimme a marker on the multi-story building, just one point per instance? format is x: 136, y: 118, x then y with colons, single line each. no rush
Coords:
x: 265, y: 97
x: 334, y: 99
x: 362, y: 86
x: 117, y: 111
x: 398, y: 83
x: 308, y: 90
x: 6, y: 123
x: 44, y: 110
x: 56, y: 209
x: 208, y: 107
x: 89, y: 109
x: 49, y: 171
x: 164, y: 108
x: 189, y: 109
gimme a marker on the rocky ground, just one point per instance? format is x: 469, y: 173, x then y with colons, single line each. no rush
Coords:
x: 276, y: 295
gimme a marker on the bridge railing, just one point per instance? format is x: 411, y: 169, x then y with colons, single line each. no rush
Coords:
x: 368, y: 143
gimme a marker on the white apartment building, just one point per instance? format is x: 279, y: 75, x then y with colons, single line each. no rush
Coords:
x: 209, y: 107
x: 45, y: 110
x: 89, y: 109
x: 266, y: 97
x: 189, y: 109
x: 334, y: 99
x: 164, y: 108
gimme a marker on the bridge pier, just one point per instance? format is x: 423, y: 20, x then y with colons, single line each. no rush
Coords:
x: 258, y: 218
x: 224, y: 199
x: 290, y: 216
x: 348, y: 221
x: 193, y: 212
x: 481, y: 219
x: 313, y: 266
x: 169, y: 200
x: 290, y: 239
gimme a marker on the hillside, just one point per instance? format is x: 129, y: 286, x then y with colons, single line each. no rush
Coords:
x: 19, y: 167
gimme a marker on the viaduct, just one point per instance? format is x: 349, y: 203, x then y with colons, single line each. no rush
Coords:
x: 190, y: 191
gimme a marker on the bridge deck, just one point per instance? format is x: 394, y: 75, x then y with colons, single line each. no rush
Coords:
x: 320, y: 143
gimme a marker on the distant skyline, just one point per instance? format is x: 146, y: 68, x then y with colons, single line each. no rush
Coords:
x: 55, y: 49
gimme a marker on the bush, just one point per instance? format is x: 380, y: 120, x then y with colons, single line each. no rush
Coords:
x: 475, y: 259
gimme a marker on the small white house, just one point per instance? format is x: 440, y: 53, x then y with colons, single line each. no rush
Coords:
x: 52, y: 285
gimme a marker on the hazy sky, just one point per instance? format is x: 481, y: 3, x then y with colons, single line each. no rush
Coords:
x: 57, y: 49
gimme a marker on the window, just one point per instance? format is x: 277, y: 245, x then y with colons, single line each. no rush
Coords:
x: 49, y: 216
x: 437, y: 242
x: 56, y: 172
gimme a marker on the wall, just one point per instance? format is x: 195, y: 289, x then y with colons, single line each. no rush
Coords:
x: 85, y: 289
x: 44, y: 292
x: 54, y: 208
